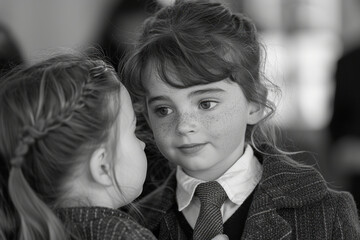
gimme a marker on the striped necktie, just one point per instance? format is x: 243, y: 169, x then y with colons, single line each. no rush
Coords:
x: 209, y: 223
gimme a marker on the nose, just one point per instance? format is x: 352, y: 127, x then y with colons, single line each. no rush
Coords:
x: 186, y: 124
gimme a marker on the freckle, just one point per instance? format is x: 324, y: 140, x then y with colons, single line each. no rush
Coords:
x: 167, y: 127
x: 206, y: 122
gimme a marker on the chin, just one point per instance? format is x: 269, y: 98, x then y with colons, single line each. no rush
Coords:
x: 198, y: 166
x: 195, y: 170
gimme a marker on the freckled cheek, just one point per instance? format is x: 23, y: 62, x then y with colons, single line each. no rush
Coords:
x: 226, y: 126
x: 162, y: 130
x: 216, y: 124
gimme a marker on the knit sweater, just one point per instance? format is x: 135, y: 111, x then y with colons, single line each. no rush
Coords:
x: 102, y: 223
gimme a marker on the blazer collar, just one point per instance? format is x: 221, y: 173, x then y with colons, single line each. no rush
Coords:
x: 284, y: 184
x: 290, y: 184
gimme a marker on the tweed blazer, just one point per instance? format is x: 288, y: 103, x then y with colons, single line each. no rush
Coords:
x: 292, y: 201
x: 90, y: 223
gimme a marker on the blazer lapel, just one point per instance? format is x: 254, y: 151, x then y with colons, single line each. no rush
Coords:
x: 264, y: 222
x: 170, y: 228
x: 284, y: 184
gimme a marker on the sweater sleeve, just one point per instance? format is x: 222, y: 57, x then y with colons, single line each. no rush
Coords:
x: 346, y: 221
x: 117, y: 228
x: 137, y: 233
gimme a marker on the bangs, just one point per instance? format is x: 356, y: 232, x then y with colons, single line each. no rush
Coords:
x: 183, y: 64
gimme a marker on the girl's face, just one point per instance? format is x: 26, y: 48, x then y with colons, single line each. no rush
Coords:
x: 131, y: 163
x: 201, y: 128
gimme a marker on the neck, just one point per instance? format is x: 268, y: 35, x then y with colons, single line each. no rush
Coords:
x: 218, y: 169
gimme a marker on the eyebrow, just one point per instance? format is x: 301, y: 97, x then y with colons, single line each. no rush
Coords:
x: 191, y: 94
x: 157, y: 98
x: 206, y: 91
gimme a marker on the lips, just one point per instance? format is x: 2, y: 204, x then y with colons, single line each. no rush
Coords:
x: 191, y: 148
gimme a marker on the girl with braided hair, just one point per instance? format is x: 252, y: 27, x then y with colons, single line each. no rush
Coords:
x: 69, y: 154
x: 195, y: 75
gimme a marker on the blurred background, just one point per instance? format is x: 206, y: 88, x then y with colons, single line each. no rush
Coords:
x: 319, y: 109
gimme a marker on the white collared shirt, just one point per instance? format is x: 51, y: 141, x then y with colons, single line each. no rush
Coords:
x: 238, y: 182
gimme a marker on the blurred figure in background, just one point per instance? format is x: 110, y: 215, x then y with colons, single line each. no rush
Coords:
x: 344, y: 126
x: 10, y: 54
x: 345, y: 123
x: 122, y: 27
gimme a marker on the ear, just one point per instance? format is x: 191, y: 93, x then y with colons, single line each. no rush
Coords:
x: 100, y: 167
x: 255, y: 113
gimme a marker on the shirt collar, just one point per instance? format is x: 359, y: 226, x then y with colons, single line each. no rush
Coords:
x: 238, y: 181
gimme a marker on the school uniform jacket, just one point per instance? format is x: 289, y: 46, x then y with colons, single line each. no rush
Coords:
x: 290, y: 202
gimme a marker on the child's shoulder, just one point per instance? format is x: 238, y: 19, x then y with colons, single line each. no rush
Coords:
x: 293, y: 184
x: 119, y: 227
x: 301, y: 196
x: 102, y: 222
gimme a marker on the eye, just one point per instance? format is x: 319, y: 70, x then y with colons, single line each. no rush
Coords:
x: 206, y: 105
x: 163, y: 111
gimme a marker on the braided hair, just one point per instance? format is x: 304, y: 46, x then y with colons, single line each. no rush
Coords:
x: 52, y: 114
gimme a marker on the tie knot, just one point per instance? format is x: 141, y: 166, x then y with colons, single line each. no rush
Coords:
x: 211, y: 192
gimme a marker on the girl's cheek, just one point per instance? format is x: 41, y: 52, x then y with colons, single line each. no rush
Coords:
x: 209, y: 121
x: 162, y: 127
x: 217, y: 124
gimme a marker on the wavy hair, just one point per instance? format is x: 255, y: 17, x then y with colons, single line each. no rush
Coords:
x: 200, y: 43
x: 52, y: 114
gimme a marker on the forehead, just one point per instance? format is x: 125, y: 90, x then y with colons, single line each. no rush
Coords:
x: 183, y: 74
x: 152, y: 71
x: 152, y: 81
x: 155, y: 84
x: 159, y: 90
